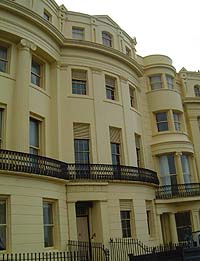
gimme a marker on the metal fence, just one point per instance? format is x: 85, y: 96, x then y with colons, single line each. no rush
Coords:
x: 134, y: 249
x: 34, y: 164
x: 90, y: 251
x: 47, y: 256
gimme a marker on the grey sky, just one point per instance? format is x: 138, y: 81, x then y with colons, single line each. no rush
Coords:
x: 169, y: 27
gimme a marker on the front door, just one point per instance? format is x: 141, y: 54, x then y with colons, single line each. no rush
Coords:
x: 82, y: 228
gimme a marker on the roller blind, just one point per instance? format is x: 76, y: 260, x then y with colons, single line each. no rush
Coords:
x: 81, y: 131
x: 115, y: 135
x: 126, y: 204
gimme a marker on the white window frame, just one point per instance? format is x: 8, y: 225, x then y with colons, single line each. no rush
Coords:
x: 170, y: 81
x: 156, y: 84
x: 7, y: 60
x: 163, y: 121
x: 40, y: 75
x: 78, y: 33
x: 51, y: 225
x: 40, y: 147
x: 78, y: 80
x: 107, y: 39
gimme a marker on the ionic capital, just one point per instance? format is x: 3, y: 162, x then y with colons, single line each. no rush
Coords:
x: 26, y: 44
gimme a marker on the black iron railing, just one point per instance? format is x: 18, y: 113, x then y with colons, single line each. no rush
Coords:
x: 89, y: 250
x: 178, y: 191
x: 29, y: 163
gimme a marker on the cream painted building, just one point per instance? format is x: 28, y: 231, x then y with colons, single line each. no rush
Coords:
x: 88, y: 129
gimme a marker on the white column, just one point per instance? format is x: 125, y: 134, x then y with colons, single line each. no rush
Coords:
x: 173, y: 229
x: 71, y: 215
x: 20, y: 131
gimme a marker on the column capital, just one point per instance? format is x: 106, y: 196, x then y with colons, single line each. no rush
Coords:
x: 26, y: 44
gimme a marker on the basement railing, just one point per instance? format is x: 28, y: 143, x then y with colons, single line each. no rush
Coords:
x: 178, y: 191
x: 34, y: 164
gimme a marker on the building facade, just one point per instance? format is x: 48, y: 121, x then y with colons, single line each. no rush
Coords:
x: 96, y: 142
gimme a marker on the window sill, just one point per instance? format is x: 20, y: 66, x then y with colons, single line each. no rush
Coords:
x: 79, y: 96
x: 40, y: 89
x: 7, y: 75
x: 113, y: 102
x: 170, y: 132
x: 135, y: 110
x: 164, y: 89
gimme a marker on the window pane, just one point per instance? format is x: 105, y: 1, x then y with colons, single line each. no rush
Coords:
x: 162, y: 116
x: 3, y: 53
x: 47, y: 213
x: 169, y: 81
x: 115, y: 150
x: 78, y: 33
x: 35, y: 68
x: 107, y: 39
x: 2, y: 237
x: 34, y: 133
x: 156, y: 82
x: 48, y: 236
x: 172, y: 169
x: 2, y: 212
x: 81, y: 150
x: 125, y: 223
x: 3, y: 66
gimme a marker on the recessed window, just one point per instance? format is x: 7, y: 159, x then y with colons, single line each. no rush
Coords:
x: 162, y: 121
x: 177, y: 123
x: 167, y: 170
x: 79, y: 82
x: 128, y: 51
x: 47, y: 16
x: 183, y: 226
x: 34, y: 136
x: 132, y: 92
x: 138, y: 147
x: 156, y: 82
x: 3, y: 59
x: 107, y: 39
x: 126, y: 223
x: 127, y: 218
x: 150, y: 221
x: 49, y: 223
x: 197, y: 90
x: 110, y: 88
x: 170, y: 82
x: 185, y: 168
x: 81, y: 143
x: 36, y: 73
x: 78, y: 33
x: 115, y: 141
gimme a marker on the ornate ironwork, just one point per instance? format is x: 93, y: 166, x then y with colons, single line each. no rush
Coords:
x: 178, y: 191
x: 34, y: 164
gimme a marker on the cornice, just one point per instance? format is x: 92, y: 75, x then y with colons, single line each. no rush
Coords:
x: 159, y: 65
x: 99, y: 48
x: 33, y: 17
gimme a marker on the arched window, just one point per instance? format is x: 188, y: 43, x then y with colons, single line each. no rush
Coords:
x: 197, y: 90
x: 107, y: 39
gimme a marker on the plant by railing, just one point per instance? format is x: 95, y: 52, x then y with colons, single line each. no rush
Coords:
x: 29, y: 163
x: 178, y: 191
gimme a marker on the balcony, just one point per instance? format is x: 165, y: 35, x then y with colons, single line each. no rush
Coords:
x: 178, y: 191
x: 33, y: 164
